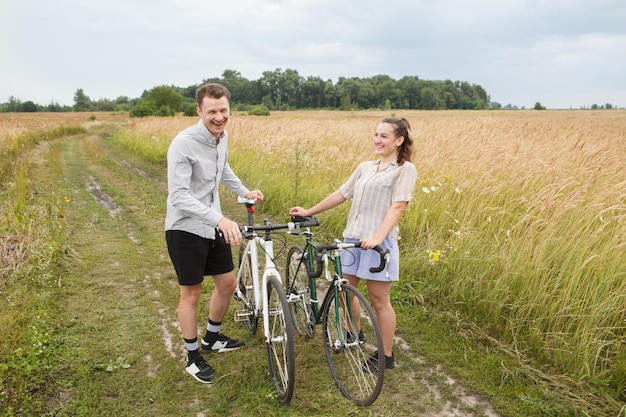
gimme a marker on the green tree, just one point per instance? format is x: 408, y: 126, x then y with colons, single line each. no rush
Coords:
x: 349, y: 88
x: 14, y: 105
x: 143, y: 108
x: 29, y: 107
x: 409, y: 90
x: 428, y: 98
x: 82, y: 102
x: 165, y: 99
x: 346, y: 103
x: 313, y: 92
x: 241, y: 89
x: 330, y: 94
x: 104, y: 104
x: 54, y: 107
x: 190, y: 109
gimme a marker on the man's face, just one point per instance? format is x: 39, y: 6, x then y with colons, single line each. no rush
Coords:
x: 214, y: 113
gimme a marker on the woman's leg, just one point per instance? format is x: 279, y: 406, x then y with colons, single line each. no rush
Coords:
x: 379, y: 294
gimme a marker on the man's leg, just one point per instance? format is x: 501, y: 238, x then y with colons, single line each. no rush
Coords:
x: 213, y: 341
x: 222, y: 294
x: 188, y: 319
x: 188, y: 310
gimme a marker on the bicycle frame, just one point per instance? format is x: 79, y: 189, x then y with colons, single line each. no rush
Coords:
x: 260, y: 286
x: 333, y: 257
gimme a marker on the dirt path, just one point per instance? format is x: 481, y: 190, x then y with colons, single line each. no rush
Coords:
x: 120, y: 309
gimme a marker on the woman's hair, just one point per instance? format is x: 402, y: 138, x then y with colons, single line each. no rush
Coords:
x: 212, y: 90
x: 402, y: 128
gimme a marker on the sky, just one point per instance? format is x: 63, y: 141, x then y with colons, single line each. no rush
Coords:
x: 560, y: 53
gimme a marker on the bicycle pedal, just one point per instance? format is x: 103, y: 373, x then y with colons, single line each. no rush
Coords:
x: 242, y: 315
x: 294, y: 298
x: 338, y: 345
x: 275, y: 312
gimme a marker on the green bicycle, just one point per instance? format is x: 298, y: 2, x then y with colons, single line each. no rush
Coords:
x: 351, y: 331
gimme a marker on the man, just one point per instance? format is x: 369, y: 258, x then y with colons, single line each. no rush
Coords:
x: 198, y: 236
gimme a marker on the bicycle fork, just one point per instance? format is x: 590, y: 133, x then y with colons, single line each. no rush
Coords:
x: 269, y: 271
x: 251, y: 302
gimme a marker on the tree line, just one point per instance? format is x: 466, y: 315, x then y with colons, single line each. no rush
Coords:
x: 288, y: 90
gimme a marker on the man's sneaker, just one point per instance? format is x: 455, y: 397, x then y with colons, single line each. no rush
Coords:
x: 200, y: 370
x: 222, y: 344
x: 371, y: 365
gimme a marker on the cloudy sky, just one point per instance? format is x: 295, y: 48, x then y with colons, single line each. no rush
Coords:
x: 561, y: 53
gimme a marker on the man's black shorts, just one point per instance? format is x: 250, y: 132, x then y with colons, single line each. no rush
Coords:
x: 194, y: 256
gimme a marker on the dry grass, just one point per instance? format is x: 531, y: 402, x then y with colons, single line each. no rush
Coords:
x: 519, y: 218
x: 14, y: 124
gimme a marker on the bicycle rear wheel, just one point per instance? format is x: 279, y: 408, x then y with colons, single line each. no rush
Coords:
x: 245, y: 290
x: 280, y: 350
x: 298, y: 293
x: 346, y: 349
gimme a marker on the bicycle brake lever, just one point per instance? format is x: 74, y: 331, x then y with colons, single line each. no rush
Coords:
x: 246, y: 232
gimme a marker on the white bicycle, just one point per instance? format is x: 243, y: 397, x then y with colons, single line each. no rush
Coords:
x: 262, y: 295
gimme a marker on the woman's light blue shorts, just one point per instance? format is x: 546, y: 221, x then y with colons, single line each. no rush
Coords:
x: 356, y: 261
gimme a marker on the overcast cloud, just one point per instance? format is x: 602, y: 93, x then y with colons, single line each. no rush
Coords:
x: 561, y: 53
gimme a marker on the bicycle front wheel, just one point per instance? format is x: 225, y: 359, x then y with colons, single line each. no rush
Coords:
x: 298, y: 293
x: 280, y: 349
x: 245, y: 290
x: 351, y: 337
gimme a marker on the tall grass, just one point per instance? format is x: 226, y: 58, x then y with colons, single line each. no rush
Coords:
x: 33, y: 254
x: 518, y: 219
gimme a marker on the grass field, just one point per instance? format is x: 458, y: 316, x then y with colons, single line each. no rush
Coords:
x: 518, y: 220
x: 517, y: 228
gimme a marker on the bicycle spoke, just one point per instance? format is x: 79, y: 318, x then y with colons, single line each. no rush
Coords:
x: 298, y: 293
x: 346, y: 314
x: 280, y: 349
x: 245, y: 292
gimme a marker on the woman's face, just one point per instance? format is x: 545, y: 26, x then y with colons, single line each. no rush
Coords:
x: 386, y: 141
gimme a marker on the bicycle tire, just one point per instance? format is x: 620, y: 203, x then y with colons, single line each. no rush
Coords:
x: 246, y: 289
x: 346, y: 355
x: 298, y: 293
x: 280, y: 348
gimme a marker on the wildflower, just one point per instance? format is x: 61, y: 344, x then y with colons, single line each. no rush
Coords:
x: 426, y: 190
x: 67, y: 199
x: 448, y: 176
x: 433, y: 257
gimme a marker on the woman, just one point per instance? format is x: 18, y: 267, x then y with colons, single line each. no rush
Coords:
x: 380, y: 191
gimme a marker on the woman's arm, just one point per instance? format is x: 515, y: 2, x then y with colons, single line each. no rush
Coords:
x: 332, y: 200
x: 389, y: 222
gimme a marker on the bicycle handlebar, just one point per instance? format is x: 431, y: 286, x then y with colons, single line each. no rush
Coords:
x: 293, y: 226
x: 300, y: 221
x: 322, y: 249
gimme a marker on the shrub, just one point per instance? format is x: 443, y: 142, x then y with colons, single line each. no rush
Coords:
x: 143, y: 108
x: 190, y: 109
x: 259, y: 110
